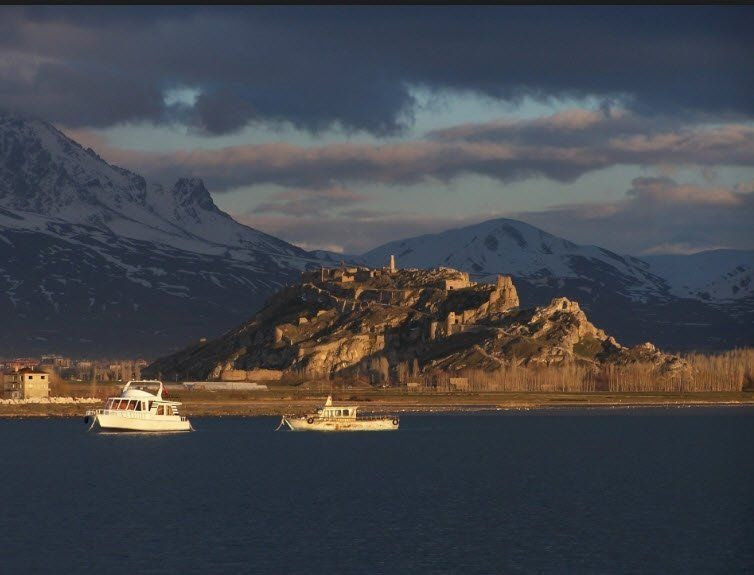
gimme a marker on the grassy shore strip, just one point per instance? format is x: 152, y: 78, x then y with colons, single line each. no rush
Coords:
x: 258, y: 404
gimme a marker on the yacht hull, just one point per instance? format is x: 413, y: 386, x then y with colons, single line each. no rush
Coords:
x: 105, y: 422
x: 316, y: 424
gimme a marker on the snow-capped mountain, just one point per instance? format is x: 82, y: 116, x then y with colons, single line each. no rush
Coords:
x: 518, y: 249
x: 94, y: 259
x: 44, y: 172
x: 713, y: 276
x: 702, y: 301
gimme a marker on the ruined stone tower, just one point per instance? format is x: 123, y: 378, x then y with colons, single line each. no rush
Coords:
x: 505, y: 295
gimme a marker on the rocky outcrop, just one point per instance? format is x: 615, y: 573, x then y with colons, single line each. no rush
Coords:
x: 353, y: 320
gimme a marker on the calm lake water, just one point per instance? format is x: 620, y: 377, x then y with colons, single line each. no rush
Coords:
x: 574, y: 491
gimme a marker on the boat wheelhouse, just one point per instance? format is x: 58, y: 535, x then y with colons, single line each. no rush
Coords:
x: 339, y: 418
x: 136, y: 409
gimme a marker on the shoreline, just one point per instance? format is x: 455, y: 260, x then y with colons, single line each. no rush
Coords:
x: 277, y: 404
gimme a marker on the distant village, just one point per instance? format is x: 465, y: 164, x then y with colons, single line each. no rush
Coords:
x: 33, y: 377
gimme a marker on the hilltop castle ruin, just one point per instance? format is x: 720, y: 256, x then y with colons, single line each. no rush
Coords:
x: 354, y: 320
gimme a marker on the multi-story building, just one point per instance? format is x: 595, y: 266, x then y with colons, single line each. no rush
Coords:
x: 26, y: 383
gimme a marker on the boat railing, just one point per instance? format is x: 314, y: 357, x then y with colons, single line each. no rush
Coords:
x: 374, y: 416
x: 129, y: 413
x: 359, y: 417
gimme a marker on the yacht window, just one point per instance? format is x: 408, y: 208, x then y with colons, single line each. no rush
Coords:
x: 345, y: 412
x: 161, y: 410
x: 123, y: 404
x: 132, y: 405
x: 138, y: 405
x: 168, y: 410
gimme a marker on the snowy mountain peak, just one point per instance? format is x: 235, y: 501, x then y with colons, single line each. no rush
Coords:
x: 188, y: 202
x: 85, y: 246
x: 190, y: 191
x: 684, y: 301
x: 524, y: 251
x: 44, y: 172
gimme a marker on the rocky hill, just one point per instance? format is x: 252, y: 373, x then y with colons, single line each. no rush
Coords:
x: 387, y: 324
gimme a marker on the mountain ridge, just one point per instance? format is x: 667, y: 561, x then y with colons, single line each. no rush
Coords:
x: 631, y: 297
x: 86, y: 245
x: 164, y: 261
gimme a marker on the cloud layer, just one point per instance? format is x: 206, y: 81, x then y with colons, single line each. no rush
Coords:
x: 354, y: 68
x: 562, y: 147
x: 317, y: 202
x: 676, y: 86
x: 657, y: 215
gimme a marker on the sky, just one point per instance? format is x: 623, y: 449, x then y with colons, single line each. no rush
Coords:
x: 342, y: 128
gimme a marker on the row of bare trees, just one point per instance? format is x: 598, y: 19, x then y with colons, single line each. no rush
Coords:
x: 727, y: 371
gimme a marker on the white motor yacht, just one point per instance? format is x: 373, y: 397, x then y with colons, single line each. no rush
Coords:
x: 138, y: 410
x: 338, y: 418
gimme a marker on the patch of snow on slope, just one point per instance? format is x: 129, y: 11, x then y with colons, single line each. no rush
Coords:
x: 709, y: 276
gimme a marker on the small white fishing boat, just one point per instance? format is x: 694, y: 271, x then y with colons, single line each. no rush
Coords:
x: 138, y: 410
x: 339, y: 418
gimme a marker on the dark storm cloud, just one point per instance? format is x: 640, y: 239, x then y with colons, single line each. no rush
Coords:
x: 75, y: 95
x: 220, y: 112
x: 352, y: 67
